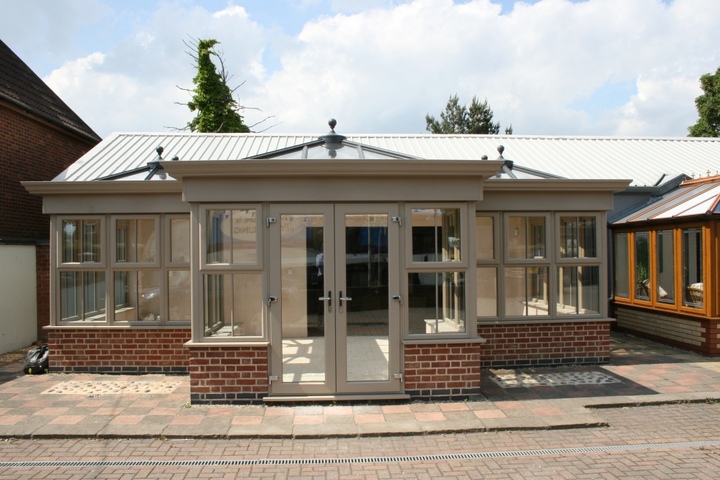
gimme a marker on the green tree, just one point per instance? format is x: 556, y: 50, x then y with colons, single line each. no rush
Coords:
x: 217, y: 110
x: 456, y: 118
x: 708, y: 107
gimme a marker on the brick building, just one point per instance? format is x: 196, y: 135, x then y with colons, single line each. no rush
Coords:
x: 40, y: 136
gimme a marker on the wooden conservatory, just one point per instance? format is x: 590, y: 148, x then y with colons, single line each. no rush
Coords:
x: 666, y: 267
x: 286, y: 268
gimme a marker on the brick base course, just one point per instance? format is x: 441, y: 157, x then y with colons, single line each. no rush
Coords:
x: 132, y: 350
x: 545, y: 344
x: 442, y: 371
x: 228, y: 374
x: 697, y: 334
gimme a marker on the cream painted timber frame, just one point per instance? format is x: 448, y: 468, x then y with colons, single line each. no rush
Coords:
x: 465, y: 265
x: 199, y: 227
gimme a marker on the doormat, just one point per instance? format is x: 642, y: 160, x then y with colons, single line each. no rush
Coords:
x: 112, y: 388
x: 513, y: 379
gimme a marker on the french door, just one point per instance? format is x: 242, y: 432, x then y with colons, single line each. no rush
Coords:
x: 334, y: 299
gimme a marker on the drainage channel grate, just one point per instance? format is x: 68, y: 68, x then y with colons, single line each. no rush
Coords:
x: 359, y: 460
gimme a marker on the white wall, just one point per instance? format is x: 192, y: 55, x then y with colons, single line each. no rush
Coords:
x: 18, y: 304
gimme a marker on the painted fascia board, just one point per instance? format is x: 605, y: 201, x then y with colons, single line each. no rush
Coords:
x: 96, y: 187
x: 557, y: 184
x: 325, y: 168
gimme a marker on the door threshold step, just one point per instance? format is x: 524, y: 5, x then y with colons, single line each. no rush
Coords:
x: 338, y: 398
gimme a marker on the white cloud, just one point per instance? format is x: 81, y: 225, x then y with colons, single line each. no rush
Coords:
x: 549, y: 67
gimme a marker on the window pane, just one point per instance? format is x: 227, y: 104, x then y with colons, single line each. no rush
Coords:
x: 135, y: 241
x: 526, y: 237
x: 244, y: 236
x: 437, y: 302
x: 665, y: 267
x: 219, y: 239
x: 487, y: 292
x: 435, y: 235
x: 231, y: 236
x: 692, y: 267
x: 137, y: 296
x: 622, y: 261
x: 80, y: 241
x: 642, y: 265
x: 180, y: 240
x: 579, y: 290
x: 179, y: 295
x: 485, y: 237
x: 526, y: 291
x: 233, y: 305
x: 578, y: 237
x: 82, y: 296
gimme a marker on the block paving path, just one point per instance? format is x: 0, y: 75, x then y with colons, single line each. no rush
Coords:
x: 80, y: 405
x: 652, y: 413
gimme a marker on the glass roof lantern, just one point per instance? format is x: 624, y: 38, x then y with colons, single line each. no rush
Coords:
x: 334, y: 146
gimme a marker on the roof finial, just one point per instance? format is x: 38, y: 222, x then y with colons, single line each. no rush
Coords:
x: 500, y: 149
x: 332, y: 122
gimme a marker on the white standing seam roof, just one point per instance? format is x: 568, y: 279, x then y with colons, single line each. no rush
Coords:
x: 648, y: 161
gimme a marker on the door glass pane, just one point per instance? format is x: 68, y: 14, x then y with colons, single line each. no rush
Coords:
x: 302, y: 279
x: 367, y: 314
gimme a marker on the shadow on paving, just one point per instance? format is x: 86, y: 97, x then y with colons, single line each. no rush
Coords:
x: 631, y: 359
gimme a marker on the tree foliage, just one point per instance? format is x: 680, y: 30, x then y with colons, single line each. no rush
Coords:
x: 456, y: 118
x: 708, y: 107
x: 217, y: 110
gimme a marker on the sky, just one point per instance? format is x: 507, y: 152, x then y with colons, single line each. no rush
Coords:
x: 627, y: 68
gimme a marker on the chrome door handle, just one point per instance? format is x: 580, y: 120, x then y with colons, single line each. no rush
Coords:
x: 328, y: 299
x: 341, y: 298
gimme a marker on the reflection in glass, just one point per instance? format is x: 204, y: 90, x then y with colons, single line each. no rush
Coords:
x: 231, y: 236
x: 179, y: 295
x: 526, y: 291
x: 665, y: 267
x: 621, y: 270
x: 135, y: 240
x: 80, y: 241
x: 578, y: 237
x: 642, y: 265
x: 487, y: 291
x: 179, y: 240
x: 302, y: 263
x: 233, y: 305
x: 526, y: 237
x: 692, y: 264
x: 137, y: 295
x: 485, y: 237
x: 82, y: 296
x: 579, y: 290
x: 436, y: 302
x: 367, y: 314
x: 435, y: 234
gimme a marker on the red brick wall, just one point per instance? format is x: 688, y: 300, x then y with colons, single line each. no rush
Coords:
x: 228, y: 374
x: 443, y: 370
x: 118, y: 350
x: 30, y: 150
x: 545, y: 344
